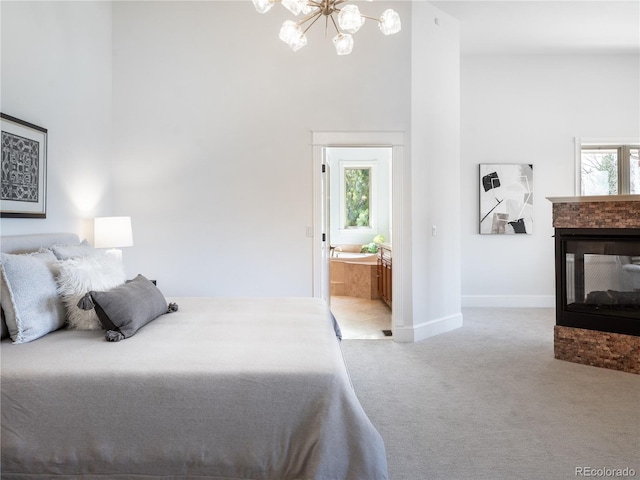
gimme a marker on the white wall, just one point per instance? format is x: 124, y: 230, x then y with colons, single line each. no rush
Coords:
x: 210, y: 130
x: 56, y: 73
x: 433, y: 176
x: 529, y: 109
x: 211, y: 141
x: 212, y: 137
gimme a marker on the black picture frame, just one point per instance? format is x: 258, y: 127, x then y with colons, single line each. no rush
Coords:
x: 23, y: 190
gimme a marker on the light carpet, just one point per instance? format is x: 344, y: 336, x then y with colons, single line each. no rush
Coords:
x: 489, y: 401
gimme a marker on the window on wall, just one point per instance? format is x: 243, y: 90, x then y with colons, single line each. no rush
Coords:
x: 634, y: 170
x: 609, y: 169
x: 357, y: 197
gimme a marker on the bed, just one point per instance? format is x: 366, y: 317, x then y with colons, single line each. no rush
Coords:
x: 223, y: 388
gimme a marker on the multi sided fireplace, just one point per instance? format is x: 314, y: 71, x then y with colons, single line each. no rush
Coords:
x: 598, y: 279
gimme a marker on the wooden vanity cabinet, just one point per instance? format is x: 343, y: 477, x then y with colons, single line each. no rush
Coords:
x: 384, y: 273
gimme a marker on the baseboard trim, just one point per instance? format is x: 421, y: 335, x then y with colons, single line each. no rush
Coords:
x: 509, y: 301
x: 422, y: 331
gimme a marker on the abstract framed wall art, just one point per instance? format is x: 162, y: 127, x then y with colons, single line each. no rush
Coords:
x: 506, y: 199
x: 24, y: 169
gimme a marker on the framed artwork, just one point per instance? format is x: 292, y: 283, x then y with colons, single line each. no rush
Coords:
x: 24, y: 169
x: 506, y: 199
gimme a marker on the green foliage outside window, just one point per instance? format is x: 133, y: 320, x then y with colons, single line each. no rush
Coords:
x: 357, y: 193
x: 634, y: 169
x: 599, y: 162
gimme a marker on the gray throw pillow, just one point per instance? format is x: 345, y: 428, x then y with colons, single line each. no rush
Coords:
x: 65, y: 252
x: 29, y: 295
x: 125, y: 309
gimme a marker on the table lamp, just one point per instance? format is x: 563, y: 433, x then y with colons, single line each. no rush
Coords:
x: 113, y: 233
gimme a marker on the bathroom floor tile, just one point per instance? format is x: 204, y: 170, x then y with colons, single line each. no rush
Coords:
x: 360, y: 318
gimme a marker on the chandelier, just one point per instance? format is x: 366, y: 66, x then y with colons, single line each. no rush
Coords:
x: 349, y: 21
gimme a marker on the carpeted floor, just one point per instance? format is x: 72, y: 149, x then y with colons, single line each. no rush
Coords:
x: 489, y: 401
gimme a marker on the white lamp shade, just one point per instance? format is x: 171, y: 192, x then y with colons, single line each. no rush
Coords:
x: 112, y: 232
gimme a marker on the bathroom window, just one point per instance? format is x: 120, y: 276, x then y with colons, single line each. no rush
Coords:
x: 357, y: 197
x: 609, y: 169
x: 352, y: 167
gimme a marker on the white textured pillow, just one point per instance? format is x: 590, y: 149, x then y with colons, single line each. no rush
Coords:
x: 29, y: 298
x: 65, y: 252
x: 80, y: 275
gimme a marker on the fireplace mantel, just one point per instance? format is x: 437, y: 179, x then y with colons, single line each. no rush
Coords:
x: 595, y: 198
x: 610, y: 211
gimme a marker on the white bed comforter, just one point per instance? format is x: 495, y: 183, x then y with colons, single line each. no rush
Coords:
x: 222, y: 389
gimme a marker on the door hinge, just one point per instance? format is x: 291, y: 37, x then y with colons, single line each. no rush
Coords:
x: 324, y: 237
x: 324, y: 168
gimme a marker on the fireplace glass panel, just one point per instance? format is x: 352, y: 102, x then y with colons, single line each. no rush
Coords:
x: 598, y: 279
x: 570, y: 285
x: 607, y: 282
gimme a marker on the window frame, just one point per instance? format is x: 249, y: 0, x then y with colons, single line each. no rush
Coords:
x: 622, y: 145
x: 373, y: 196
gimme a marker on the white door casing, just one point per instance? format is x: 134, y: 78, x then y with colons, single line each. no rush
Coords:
x: 322, y: 140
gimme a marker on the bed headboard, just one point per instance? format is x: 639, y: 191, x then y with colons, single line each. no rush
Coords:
x: 33, y: 242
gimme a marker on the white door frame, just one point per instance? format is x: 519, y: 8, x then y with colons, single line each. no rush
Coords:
x: 320, y: 140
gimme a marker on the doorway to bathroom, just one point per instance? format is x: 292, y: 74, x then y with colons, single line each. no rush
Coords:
x: 360, y: 232
x: 357, y: 228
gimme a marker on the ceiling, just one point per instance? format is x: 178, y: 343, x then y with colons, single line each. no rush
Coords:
x: 546, y: 26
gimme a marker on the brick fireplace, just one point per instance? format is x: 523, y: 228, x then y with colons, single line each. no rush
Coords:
x: 597, y: 244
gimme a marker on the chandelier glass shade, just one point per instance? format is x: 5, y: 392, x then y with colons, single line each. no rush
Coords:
x: 293, y: 33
